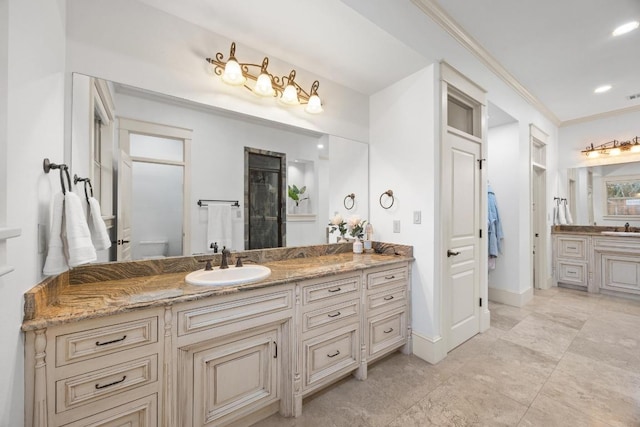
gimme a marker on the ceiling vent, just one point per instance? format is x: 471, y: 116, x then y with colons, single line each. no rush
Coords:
x: 633, y: 97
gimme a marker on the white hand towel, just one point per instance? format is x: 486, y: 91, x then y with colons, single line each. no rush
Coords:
x: 80, y: 248
x: 562, y: 219
x: 555, y: 216
x: 56, y: 261
x: 567, y: 214
x: 219, y: 227
x: 97, y: 227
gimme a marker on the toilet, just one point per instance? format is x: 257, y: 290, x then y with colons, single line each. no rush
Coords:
x: 153, y: 249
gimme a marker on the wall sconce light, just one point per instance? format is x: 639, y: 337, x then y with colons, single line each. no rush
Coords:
x: 266, y: 84
x: 613, y: 148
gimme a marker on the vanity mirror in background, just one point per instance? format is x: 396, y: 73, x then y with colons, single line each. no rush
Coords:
x: 149, y: 190
x: 605, y: 195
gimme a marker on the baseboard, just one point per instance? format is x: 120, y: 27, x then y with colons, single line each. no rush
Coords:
x: 510, y: 298
x: 430, y: 350
x: 485, y: 319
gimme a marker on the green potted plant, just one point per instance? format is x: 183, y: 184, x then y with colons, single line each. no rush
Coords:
x: 296, y: 193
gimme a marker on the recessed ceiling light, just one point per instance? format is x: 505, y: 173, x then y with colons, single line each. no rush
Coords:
x: 320, y: 146
x: 602, y: 89
x: 625, y: 28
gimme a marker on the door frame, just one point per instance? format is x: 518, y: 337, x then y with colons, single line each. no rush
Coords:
x: 538, y: 176
x: 127, y: 126
x: 450, y: 77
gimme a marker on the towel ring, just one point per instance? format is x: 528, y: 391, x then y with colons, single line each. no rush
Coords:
x: 86, y: 181
x: 389, y: 194
x: 351, y: 196
x: 64, y: 169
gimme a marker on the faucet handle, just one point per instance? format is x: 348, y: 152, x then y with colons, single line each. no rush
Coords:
x: 207, y: 266
x: 239, y: 260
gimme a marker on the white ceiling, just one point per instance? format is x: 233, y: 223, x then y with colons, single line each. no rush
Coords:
x: 559, y: 50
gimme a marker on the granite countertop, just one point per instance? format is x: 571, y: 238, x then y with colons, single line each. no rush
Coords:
x: 592, y: 230
x: 52, y: 303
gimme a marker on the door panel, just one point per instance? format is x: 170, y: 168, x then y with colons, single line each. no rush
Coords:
x: 124, y: 206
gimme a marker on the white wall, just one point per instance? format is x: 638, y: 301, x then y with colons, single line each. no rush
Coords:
x: 129, y: 42
x: 404, y: 157
x: 503, y: 147
x: 35, y: 118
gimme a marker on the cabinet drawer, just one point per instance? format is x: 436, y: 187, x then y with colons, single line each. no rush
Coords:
x: 201, y: 318
x: 573, y: 248
x: 138, y: 413
x: 574, y: 273
x: 82, y: 389
x: 335, y: 313
x: 330, y: 355
x: 388, y: 298
x: 91, y: 343
x: 381, y: 278
x: 326, y: 291
x: 387, y: 331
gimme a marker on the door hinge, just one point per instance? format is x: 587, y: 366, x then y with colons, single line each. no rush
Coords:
x: 275, y: 354
x: 480, y: 233
x: 480, y: 163
x: 480, y: 302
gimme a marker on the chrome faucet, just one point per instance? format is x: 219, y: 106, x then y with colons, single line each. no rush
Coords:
x: 626, y: 227
x: 225, y: 258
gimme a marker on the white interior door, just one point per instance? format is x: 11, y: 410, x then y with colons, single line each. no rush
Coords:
x: 124, y: 206
x: 461, y: 187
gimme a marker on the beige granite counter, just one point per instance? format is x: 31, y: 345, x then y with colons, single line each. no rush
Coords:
x: 101, y: 290
x: 592, y: 230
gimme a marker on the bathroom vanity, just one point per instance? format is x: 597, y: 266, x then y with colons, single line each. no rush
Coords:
x: 597, y: 259
x: 132, y: 343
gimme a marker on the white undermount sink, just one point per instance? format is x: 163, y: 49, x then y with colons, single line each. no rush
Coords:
x: 228, y: 276
x: 621, y: 233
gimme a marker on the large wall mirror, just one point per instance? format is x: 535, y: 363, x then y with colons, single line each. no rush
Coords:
x: 606, y: 194
x: 151, y: 158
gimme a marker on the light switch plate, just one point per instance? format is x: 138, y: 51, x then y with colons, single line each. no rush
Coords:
x: 417, y: 217
x: 396, y: 225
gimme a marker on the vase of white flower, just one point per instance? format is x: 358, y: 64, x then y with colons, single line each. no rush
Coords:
x: 356, y: 229
x: 337, y: 223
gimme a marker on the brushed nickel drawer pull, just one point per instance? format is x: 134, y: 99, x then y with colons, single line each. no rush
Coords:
x: 572, y: 247
x: 334, y: 354
x: 334, y: 290
x: 389, y: 277
x: 388, y: 331
x: 389, y: 298
x: 334, y: 315
x: 98, y: 386
x: 98, y: 343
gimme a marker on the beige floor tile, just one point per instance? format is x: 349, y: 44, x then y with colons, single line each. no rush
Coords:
x: 620, y: 305
x: 539, y: 333
x: 505, y: 317
x: 462, y: 402
x: 610, y: 337
x: 513, y: 370
x: 547, y: 412
x: 596, y: 389
x: 546, y: 292
x: 572, y: 315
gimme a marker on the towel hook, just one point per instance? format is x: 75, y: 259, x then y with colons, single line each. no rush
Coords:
x: 389, y: 194
x: 351, y: 196
x: 64, y: 169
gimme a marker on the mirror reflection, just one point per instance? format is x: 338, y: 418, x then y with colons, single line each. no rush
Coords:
x: 598, y: 195
x: 152, y: 158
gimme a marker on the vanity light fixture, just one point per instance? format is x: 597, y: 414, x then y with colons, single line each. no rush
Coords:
x: 613, y: 148
x: 625, y: 28
x: 266, y: 84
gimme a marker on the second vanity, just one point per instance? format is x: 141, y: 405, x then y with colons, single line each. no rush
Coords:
x: 597, y: 259
x: 109, y: 346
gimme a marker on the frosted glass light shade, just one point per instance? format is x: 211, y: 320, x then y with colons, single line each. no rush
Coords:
x: 635, y: 148
x: 314, y: 106
x: 263, y: 85
x: 593, y: 154
x: 232, y: 73
x: 614, y: 152
x: 290, y: 96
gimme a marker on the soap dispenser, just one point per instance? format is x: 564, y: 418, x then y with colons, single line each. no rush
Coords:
x: 368, y: 235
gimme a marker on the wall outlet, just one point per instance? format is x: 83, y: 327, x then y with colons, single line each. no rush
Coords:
x: 396, y: 225
x: 417, y: 217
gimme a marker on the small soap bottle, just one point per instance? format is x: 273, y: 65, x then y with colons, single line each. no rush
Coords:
x: 368, y: 235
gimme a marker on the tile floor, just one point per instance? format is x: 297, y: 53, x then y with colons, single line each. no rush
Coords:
x: 567, y: 358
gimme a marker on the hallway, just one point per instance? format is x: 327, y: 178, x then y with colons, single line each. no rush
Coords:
x: 566, y: 359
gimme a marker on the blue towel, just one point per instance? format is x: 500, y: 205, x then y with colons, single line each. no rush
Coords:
x: 495, y: 226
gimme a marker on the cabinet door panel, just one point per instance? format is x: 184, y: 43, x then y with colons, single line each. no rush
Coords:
x: 387, y: 330
x: 330, y: 354
x: 139, y: 413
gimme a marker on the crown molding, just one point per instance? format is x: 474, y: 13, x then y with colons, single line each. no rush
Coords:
x: 442, y: 18
x: 598, y: 116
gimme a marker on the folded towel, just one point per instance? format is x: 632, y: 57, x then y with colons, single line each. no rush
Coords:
x: 97, y: 228
x: 567, y: 214
x: 79, y: 246
x: 219, y: 227
x: 56, y: 261
x: 562, y: 219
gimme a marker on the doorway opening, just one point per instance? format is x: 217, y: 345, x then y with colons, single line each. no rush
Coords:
x: 538, y: 144
x: 265, y: 198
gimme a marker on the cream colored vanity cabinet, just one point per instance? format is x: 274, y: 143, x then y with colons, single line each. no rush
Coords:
x: 617, y: 264
x: 571, y: 259
x: 233, y: 358
x: 99, y: 372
